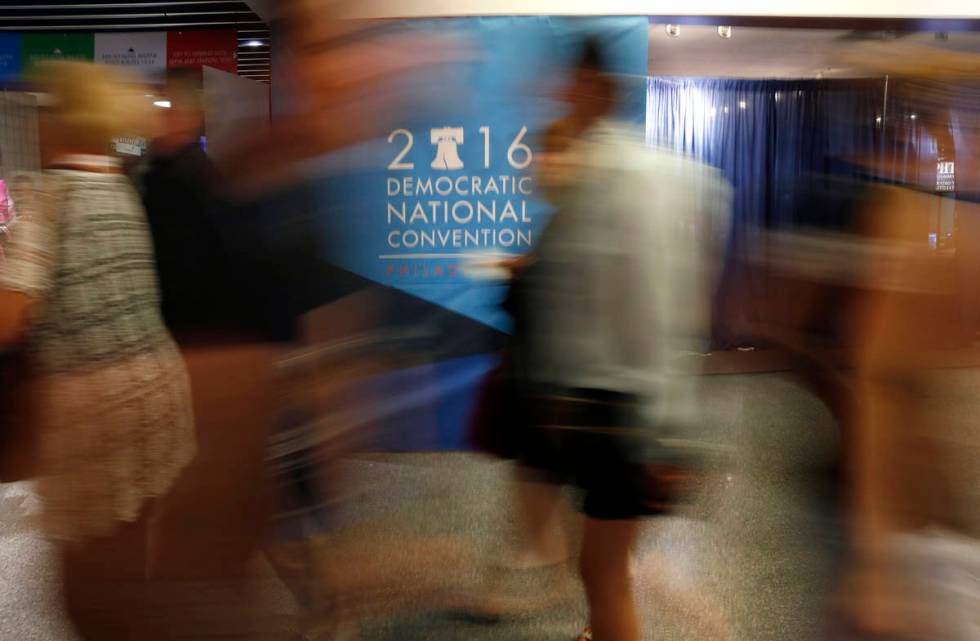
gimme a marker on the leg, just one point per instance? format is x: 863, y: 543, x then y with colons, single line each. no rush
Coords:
x: 605, y: 568
x: 104, y: 582
x: 542, y: 540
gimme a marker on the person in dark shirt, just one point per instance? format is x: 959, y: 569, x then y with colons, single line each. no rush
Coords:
x: 180, y: 192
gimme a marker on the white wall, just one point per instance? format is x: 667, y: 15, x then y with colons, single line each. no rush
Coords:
x: 19, y: 144
x: 232, y: 105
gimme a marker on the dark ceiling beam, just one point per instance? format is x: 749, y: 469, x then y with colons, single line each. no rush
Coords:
x: 121, y: 27
x: 113, y: 5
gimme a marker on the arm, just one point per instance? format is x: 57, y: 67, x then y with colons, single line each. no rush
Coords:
x: 25, y: 269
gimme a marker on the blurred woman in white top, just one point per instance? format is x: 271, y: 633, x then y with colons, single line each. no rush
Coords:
x: 109, y: 389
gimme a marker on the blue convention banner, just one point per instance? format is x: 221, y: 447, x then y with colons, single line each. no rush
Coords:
x: 10, y: 45
x: 452, y: 186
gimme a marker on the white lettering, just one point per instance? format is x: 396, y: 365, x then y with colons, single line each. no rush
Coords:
x: 482, y: 211
x: 448, y: 182
x: 392, y: 211
x: 410, y: 238
x: 418, y: 213
x: 456, y: 217
x: 508, y: 213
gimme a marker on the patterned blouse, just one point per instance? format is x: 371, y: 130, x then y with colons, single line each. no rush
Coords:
x: 112, y: 394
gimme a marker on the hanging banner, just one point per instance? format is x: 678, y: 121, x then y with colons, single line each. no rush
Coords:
x: 10, y: 51
x: 196, y: 49
x: 452, y: 186
x: 144, y: 53
x: 37, y: 47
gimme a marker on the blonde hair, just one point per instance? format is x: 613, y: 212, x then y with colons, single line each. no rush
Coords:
x: 93, y: 103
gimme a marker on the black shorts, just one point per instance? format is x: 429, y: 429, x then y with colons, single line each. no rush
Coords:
x: 590, y: 439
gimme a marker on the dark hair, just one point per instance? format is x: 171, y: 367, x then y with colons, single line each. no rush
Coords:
x: 592, y: 56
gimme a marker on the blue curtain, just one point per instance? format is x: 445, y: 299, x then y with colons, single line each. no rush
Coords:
x: 767, y: 137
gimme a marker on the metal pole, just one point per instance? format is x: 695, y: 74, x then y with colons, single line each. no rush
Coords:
x: 884, y: 104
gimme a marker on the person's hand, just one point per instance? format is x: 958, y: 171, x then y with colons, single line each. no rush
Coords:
x: 513, y: 265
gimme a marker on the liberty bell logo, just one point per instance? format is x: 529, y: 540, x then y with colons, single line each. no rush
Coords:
x: 446, y: 140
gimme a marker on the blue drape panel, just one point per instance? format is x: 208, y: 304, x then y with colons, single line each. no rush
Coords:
x: 767, y: 137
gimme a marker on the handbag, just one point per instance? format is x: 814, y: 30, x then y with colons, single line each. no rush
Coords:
x: 497, y: 420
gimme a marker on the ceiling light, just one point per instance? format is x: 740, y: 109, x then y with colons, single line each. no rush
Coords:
x: 673, y: 30
x: 878, y: 120
x: 742, y: 104
x: 253, y: 43
x: 163, y: 104
x: 913, y: 116
x: 725, y: 31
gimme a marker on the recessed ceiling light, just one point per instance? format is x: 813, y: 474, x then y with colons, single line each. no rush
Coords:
x: 725, y: 31
x: 253, y: 43
x: 163, y: 104
x: 673, y: 30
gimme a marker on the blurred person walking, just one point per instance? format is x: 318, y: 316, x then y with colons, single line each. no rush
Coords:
x: 109, y: 392
x: 180, y: 188
x: 615, y: 295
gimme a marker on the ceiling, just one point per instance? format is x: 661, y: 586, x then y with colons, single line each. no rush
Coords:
x: 780, y: 53
x: 139, y: 15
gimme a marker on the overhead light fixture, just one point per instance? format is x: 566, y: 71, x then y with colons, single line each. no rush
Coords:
x: 253, y: 43
x: 913, y: 116
x: 163, y: 104
x: 673, y: 30
x: 742, y: 104
x: 725, y: 31
x: 877, y: 120
x: 726, y: 109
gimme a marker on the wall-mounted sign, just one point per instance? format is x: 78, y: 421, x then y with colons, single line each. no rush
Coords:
x: 148, y: 54
x: 10, y: 49
x: 38, y: 47
x: 130, y: 146
x: 945, y: 176
x: 145, y: 53
x: 197, y: 49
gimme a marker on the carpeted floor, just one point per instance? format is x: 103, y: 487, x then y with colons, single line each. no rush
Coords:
x: 763, y: 543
